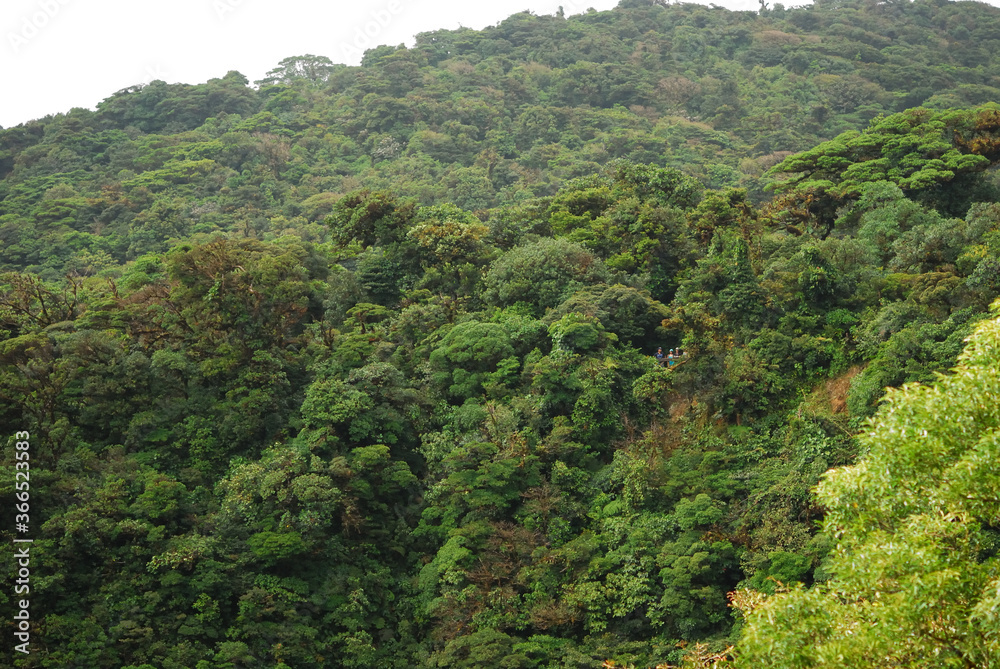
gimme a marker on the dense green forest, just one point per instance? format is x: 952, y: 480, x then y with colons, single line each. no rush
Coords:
x: 353, y: 366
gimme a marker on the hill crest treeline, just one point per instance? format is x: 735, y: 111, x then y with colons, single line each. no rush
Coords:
x: 483, y: 118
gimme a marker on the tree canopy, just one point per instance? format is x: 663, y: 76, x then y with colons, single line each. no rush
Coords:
x: 356, y: 367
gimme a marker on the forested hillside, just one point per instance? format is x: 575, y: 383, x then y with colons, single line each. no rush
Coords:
x: 354, y: 366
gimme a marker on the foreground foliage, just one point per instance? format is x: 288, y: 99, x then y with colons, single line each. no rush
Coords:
x: 914, y: 571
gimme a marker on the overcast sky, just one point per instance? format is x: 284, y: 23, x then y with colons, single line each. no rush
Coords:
x: 59, y: 54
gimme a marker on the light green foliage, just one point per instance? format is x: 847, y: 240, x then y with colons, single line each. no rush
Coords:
x: 257, y: 292
x: 743, y: 300
x: 310, y: 69
x: 369, y: 217
x: 919, y: 150
x: 652, y: 570
x: 286, y: 491
x: 373, y: 404
x: 451, y: 248
x: 446, y: 234
x: 632, y: 315
x: 914, y: 567
x: 541, y: 274
x: 468, y: 353
x: 588, y: 386
x: 632, y: 216
x: 577, y: 333
x: 910, y: 350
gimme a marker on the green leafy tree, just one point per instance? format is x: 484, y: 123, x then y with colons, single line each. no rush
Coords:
x: 468, y: 354
x: 930, y: 155
x: 369, y: 217
x: 541, y: 274
x: 913, y: 577
x: 314, y: 70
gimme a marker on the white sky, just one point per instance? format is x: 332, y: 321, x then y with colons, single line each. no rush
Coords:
x: 59, y: 54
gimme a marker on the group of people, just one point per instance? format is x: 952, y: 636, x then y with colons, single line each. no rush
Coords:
x: 671, y: 358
